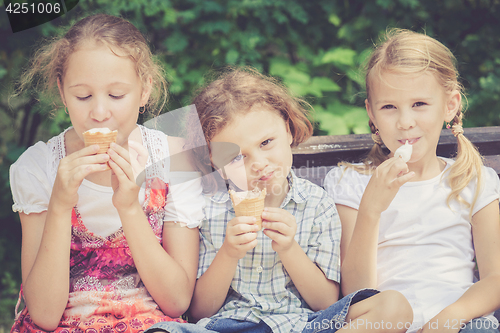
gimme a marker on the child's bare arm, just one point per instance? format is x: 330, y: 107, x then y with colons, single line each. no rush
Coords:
x: 212, y: 287
x: 312, y: 284
x: 47, y: 240
x: 358, y: 250
x: 347, y: 217
x: 484, y: 296
x: 168, y: 271
x: 45, y: 266
x: 359, y: 265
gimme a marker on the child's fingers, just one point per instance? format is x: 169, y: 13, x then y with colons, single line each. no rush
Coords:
x: 277, y: 237
x: 242, y: 248
x: 73, y: 162
x: 242, y: 220
x: 246, y: 228
x: 122, y: 162
x: 241, y: 243
x: 242, y: 228
x: 271, y: 214
x: 238, y: 245
x: 82, y: 165
x: 87, y: 155
x: 90, y: 150
x: 120, y: 151
x: 138, y: 159
x: 279, y: 227
x: 120, y: 154
x: 273, y: 234
x: 391, y: 168
x: 274, y: 210
x: 250, y: 245
x: 278, y: 215
x: 139, y: 152
x: 390, y: 172
x: 404, y: 178
x: 400, y: 165
x: 93, y: 159
x: 246, y: 238
x: 73, y: 177
x: 398, y: 173
x: 118, y: 172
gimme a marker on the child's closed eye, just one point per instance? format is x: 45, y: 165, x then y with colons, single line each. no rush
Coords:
x: 116, y: 96
x: 84, y: 98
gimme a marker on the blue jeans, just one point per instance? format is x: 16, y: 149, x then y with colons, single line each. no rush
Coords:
x: 332, y: 319
x: 328, y: 320
x: 220, y: 325
x: 480, y: 325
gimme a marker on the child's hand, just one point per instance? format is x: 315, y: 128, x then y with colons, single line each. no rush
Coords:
x: 138, y: 158
x: 71, y: 172
x: 124, y: 173
x: 384, y: 185
x: 241, y: 236
x: 280, y: 226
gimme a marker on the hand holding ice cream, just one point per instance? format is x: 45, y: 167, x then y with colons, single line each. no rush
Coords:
x: 249, y: 203
x: 100, y: 136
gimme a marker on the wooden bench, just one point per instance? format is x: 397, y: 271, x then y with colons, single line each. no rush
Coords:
x: 315, y: 157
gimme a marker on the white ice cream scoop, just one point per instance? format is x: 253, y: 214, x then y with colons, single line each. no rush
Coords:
x: 404, y: 151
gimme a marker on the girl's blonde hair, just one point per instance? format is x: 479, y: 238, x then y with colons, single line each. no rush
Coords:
x: 409, y: 52
x: 50, y: 61
x: 234, y: 92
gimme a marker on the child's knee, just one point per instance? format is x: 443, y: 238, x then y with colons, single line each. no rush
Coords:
x: 395, y: 307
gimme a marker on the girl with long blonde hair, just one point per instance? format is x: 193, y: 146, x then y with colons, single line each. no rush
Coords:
x: 416, y: 226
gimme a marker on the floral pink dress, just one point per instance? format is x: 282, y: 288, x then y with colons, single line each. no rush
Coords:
x: 106, y: 292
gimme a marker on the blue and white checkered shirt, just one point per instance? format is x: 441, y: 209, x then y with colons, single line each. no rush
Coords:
x: 261, y: 288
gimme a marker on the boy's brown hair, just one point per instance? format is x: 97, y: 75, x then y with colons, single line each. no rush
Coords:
x: 234, y: 92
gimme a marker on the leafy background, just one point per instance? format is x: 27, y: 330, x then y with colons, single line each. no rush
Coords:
x: 315, y: 47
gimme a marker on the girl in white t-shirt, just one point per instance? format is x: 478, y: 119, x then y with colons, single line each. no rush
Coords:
x: 101, y: 250
x: 417, y: 226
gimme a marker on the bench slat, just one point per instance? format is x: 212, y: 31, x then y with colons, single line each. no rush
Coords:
x: 327, y: 151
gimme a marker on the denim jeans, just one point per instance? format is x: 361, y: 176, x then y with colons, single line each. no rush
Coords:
x: 328, y: 320
x: 220, y: 325
x: 480, y: 325
x: 333, y: 318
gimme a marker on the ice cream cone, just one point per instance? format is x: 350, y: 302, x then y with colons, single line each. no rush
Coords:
x: 101, y: 136
x: 404, y: 151
x: 246, y: 205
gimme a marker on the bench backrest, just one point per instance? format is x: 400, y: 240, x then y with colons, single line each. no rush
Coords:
x: 315, y: 157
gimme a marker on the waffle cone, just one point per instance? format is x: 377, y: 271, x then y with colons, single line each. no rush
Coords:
x: 103, y: 140
x: 250, y: 207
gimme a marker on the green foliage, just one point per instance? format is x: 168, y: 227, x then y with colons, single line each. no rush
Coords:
x: 351, y: 119
x: 316, y: 48
x: 10, y: 242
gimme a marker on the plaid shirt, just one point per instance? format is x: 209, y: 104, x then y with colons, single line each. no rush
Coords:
x: 261, y: 288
